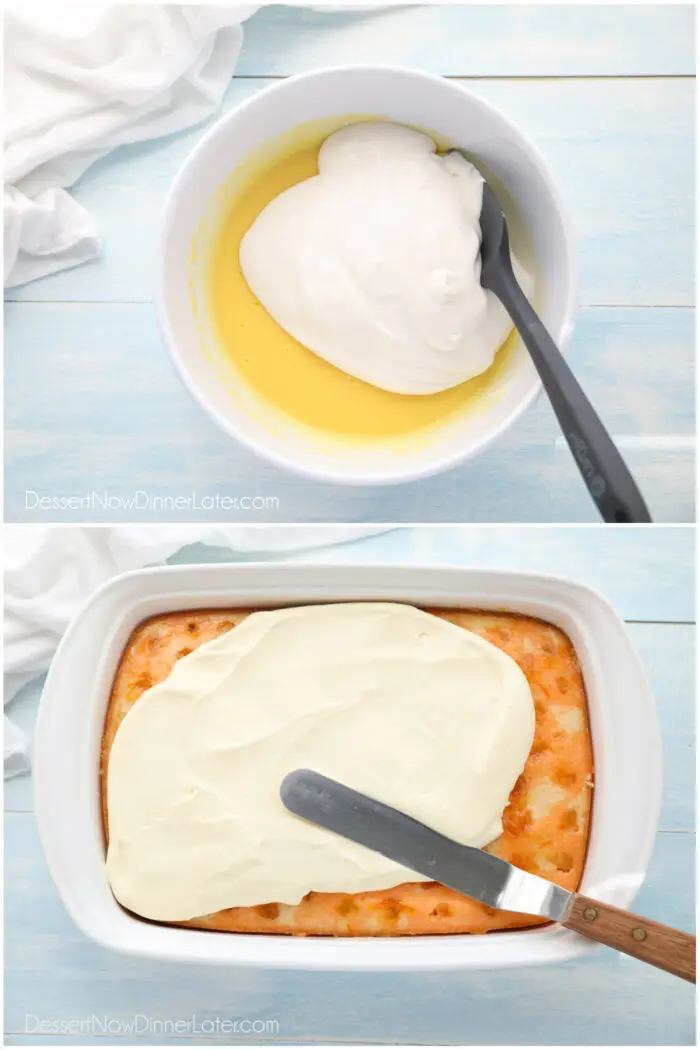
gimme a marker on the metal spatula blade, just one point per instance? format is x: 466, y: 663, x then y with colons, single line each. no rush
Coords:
x: 481, y: 875
x: 408, y: 842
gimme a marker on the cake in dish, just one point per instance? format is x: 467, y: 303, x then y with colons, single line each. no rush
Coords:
x: 545, y: 822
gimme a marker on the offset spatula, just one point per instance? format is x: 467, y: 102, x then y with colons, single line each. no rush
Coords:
x: 481, y: 875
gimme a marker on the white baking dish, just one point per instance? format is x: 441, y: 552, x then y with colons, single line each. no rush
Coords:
x: 626, y: 746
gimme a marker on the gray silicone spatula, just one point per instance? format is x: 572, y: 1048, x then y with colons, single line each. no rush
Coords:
x: 609, y: 482
x: 481, y: 875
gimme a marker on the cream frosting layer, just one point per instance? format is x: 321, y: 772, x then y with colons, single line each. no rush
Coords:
x: 409, y: 708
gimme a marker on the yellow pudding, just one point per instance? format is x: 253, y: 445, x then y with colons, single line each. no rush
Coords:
x: 280, y: 373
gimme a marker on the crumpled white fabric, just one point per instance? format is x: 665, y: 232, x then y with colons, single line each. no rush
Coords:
x: 81, y: 79
x: 51, y: 571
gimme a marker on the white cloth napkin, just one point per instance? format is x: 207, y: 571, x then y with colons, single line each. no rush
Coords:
x: 81, y: 79
x: 51, y: 571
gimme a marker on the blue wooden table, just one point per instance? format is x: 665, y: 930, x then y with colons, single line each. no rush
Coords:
x: 55, y: 976
x: 606, y: 92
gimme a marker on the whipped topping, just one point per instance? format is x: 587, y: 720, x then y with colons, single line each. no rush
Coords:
x: 406, y: 707
x: 374, y: 263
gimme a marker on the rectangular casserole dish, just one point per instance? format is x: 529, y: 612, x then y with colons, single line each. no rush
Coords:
x: 626, y: 748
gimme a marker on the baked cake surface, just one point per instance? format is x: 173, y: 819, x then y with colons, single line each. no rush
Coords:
x: 545, y: 825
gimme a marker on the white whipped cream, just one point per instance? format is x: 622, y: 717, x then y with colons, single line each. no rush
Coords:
x: 374, y: 263
x: 414, y: 711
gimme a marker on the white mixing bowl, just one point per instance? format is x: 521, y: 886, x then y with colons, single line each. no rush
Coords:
x: 540, y: 232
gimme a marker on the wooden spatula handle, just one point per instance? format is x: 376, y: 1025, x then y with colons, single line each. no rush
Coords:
x: 653, y: 943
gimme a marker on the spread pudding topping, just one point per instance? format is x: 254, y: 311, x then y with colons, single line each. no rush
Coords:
x: 404, y: 706
x: 374, y: 263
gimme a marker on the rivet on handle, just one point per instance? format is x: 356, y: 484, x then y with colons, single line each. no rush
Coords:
x: 639, y: 934
x: 591, y: 914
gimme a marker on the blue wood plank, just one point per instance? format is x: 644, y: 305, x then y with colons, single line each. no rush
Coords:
x: 647, y: 574
x: 54, y: 974
x: 109, y: 415
x: 672, y: 678
x: 622, y: 150
x: 483, y: 40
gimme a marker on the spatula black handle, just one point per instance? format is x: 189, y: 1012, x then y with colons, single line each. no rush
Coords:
x: 603, y: 469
